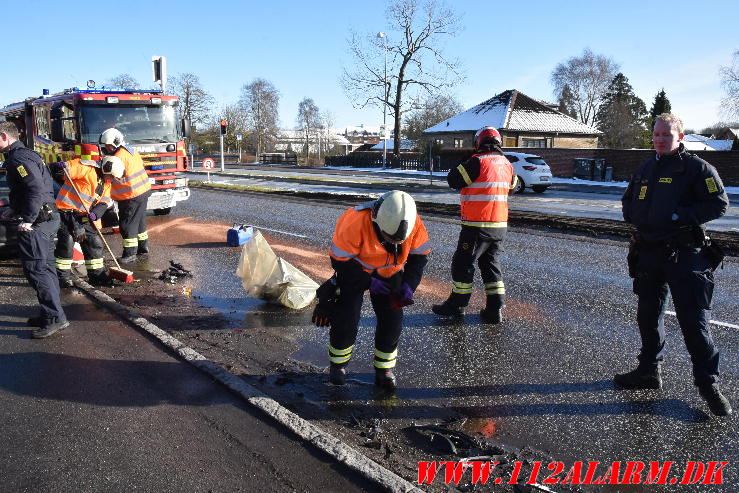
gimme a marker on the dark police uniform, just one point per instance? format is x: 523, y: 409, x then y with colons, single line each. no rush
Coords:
x: 669, y: 199
x: 32, y: 198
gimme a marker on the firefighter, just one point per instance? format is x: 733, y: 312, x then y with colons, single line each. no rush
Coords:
x: 32, y: 200
x: 382, y: 246
x: 669, y: 199
x: 131, y: 191
x: 79, y: 212
x: 484, y: 181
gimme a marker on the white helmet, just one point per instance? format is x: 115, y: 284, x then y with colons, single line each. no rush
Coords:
x: 395, y: 214
x: 113, y: 165
x: 111, y: 136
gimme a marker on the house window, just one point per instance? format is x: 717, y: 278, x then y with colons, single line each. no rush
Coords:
x: 458, y: 142
x: 541, y: 143
x: 509, y: 142
x: 439, y: 141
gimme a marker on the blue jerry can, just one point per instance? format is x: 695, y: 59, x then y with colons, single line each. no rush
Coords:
x: 239, y: 234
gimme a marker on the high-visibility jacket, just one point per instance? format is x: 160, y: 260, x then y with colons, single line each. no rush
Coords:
x: 93, y: 189
x: 135, y: 181
x: 484, y: 199
x: 355, y: 239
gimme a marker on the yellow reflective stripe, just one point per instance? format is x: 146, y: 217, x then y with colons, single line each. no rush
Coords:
x: 495, y: 291
x: 63, y: 263
x: 340, y: 352
x: 339, y: 359
x: 464, y: 174
x: 385, y: 364
x: 144, y: 236
x: 494, y: 284
x: 388, y: 356
x: 130, y: 242
x: 515, y: 182
x: 484, y: 224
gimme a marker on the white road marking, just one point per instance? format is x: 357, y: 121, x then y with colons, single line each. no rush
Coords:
x: 714, y: 322
x: 279, y: 231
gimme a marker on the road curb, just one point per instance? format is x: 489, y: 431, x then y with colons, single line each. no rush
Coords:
x: 302, y: 428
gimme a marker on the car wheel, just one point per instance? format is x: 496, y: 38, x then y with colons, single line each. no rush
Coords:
x: 520, y: 186
x: 539, y: 188
x: 162, y: 212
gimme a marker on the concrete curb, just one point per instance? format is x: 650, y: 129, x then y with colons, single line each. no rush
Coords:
x: 302, y: 428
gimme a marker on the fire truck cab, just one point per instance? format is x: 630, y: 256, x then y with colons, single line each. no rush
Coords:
x: 68, y: 124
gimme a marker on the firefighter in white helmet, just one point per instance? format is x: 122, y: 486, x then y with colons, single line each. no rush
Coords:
x: 131, y: 191
x: 380, y: 246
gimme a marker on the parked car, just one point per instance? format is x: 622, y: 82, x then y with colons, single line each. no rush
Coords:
x: 533, y: 172
x: 8, y: 238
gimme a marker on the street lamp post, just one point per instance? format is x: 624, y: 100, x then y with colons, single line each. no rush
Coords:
x: 383, y: 37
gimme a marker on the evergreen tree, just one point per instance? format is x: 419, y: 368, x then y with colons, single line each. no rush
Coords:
x: 661, y: 105
x: 622, y: 116
x: 567, y: 103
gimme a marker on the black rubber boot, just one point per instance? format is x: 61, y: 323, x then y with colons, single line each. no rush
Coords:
x: 717, y: 403
x: 491, y: 315
x: 385, y: 378
x: 453, y: 306
x: 65, y: 282
x: 337, y: 374
x: 100, y: 278
x: 640, y: 378
x: 49, y: 329
x: 129, y: 255
x: 143, y: 248
x: 35, y: 322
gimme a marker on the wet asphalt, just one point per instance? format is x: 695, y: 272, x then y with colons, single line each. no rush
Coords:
x: 540, y: 379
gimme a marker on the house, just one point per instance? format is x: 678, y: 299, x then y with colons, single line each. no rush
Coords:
x: 359, y: 135
x: 698, y: 142
x: 728, y: 134
x: 294, y: 141
x: 522, y: 122
x: 405, y: 145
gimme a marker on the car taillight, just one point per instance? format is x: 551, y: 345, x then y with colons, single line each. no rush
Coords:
x: 530, y: 168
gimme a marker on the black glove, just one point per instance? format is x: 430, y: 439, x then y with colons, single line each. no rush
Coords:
x: 326, y: 307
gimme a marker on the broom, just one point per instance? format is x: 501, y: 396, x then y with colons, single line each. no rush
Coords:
x: 116, y: 272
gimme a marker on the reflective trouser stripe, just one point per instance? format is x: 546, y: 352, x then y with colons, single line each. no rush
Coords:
x: 462, y: 287
x: 130, y: 242
x: 63, y: 263
x: 385, y: 360
x: 95, y: 263
x: 143, y: 236
x: 496, y: 287
x: 339, y: 356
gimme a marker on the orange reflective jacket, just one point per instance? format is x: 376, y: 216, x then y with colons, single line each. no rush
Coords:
x: 135, y: 181
x: 355, y: 238
x: 484, y: 202
x: 88, y: 183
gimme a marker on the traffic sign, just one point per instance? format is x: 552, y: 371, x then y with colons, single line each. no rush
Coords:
x: 208, y: 163
x: 238, y: 136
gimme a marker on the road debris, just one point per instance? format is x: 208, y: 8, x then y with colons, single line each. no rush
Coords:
x: 174, y: 273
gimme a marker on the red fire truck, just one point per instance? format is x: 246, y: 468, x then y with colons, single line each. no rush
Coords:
x: 68, y: 124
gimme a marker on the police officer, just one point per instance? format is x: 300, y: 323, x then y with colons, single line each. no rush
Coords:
x: 484, y: 181
x: 32, y: 199
x: 669, y: 199
x: 83, y: 198
x: 131, y: 191
x: 382, y: 246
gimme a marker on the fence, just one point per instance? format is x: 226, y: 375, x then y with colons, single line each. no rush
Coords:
x: 406, y: 161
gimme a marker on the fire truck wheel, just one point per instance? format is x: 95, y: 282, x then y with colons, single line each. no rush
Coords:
x: 162, y: 212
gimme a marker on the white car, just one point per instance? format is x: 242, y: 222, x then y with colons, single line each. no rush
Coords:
x: 533, y: 172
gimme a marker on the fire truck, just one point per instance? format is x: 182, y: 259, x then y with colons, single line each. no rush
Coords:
x: 68, y: 124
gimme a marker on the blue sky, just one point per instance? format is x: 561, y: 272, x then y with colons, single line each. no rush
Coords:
x: 301, y: 47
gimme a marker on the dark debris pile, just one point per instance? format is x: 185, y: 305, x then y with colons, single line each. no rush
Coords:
x: 174, y: 273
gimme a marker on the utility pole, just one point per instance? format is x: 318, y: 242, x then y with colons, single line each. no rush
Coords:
x: 383, y: 37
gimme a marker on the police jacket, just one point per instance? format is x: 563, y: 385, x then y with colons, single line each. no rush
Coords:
x: 357, y: 251
x: 672, y: 194
x: 484, y: 182
x: 135, y: 181
x: 29, y: 180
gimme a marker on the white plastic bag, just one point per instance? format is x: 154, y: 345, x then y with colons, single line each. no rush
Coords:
x: 266, y: 276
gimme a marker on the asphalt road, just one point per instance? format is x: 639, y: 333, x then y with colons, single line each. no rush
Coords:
x: 541, y: 379
x: 101, y: 407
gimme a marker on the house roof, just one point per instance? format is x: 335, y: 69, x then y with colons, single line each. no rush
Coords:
x: 514, y: 111
x: 405, y: 145
x: 697, y: 142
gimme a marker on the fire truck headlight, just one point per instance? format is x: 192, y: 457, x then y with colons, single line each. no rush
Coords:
x: 170, y: 148
x: 156, y: 100
x: 111, y: 99
x: 180, y: 182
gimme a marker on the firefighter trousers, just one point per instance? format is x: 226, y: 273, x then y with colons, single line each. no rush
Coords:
x: 75, y: 227
x: 132, y: 216
x: 345, y: 323
x: 475, y: 245
x: 36, y: 247
x: 688, y: 277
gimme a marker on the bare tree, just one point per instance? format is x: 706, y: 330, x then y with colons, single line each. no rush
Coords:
x: 588, y: 77
x: 434, y: 109
x: 260, y: 102
x: 327, y: 123
x: 237, y: 124
x: 416, y: 64
x: 308, y: 121
x: 195, y: 102
x: 124, y: 81
x: 730, y: 82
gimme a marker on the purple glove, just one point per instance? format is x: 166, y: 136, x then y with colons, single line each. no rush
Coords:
x: 378, y: 286
x: 58, y: 167
x: 402, y: 297
x: 93, y: 217
x: 405, y: 293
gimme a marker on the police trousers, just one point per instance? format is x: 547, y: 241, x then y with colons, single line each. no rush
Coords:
x: 345, y: 323
x: 132, y: 218
x: 688, y: 277
x: 74, y: 226
x: 475, y: 245
x: 36, y: 253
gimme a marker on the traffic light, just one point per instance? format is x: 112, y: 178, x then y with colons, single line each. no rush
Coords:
x: 224, y: 126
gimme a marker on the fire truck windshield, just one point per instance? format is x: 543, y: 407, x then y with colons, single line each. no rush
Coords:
x: 139, y: 124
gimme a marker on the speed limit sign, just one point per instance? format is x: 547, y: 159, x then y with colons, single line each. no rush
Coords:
x: 208, y: 163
